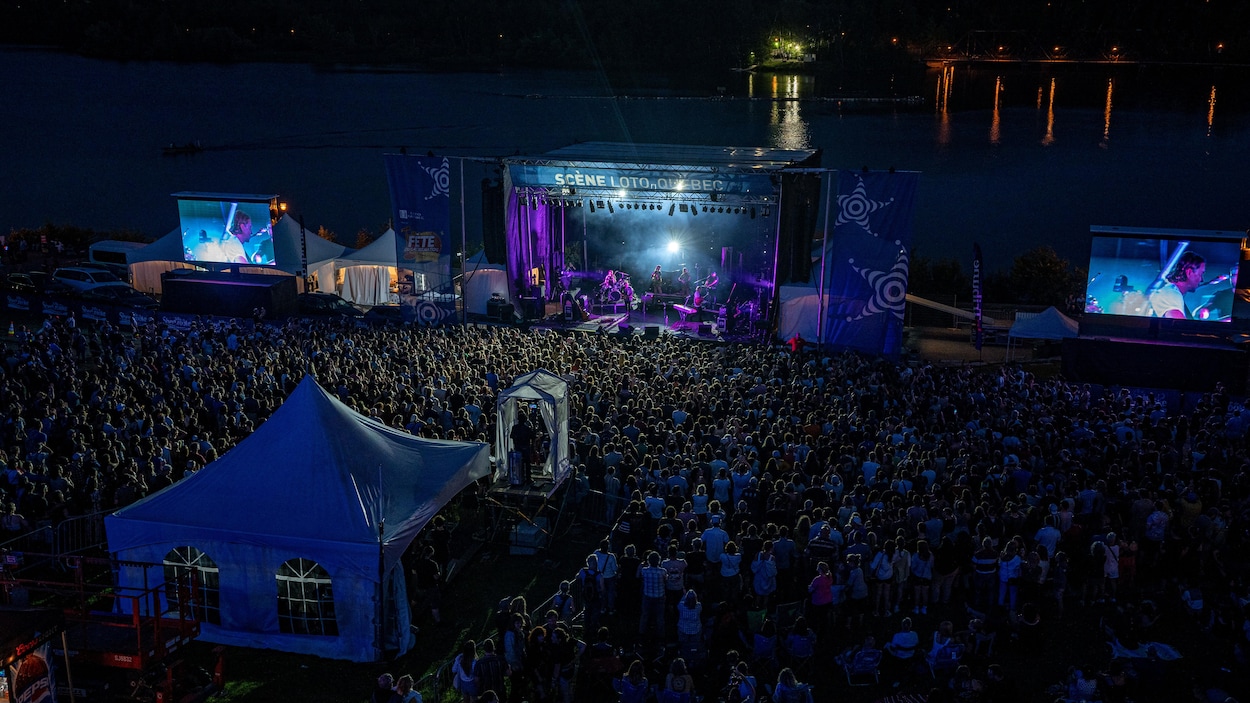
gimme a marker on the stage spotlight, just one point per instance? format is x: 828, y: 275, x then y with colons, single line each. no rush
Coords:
x: 752, y: 212
x: 694, y: 210
x: 720, y: 209
x: 610, y: 210
x: 673, y: 246
x: 704, y: 208
x: 683, y: 207
x: 592, y: 206
x: 672, y: 207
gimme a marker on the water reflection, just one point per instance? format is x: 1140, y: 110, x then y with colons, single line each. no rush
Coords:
x: 1106, y: 114
x: 786, y: 124
x: 1049, y: 137
x: 1211, y: 111
x: 942, y: 101
x: 996, y: 119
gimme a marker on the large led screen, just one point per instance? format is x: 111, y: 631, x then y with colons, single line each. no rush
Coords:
x: 1182, y: 278
x: 223, y: 232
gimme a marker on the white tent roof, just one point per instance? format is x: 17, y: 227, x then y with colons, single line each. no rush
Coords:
x: 316, y: 481
x: 379, y: 252
x: 1048, y: 324
x: 287, y: 243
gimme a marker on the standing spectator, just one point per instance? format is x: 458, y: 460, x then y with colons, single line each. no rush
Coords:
x: 404, y: 688
x: 820, y: 603
x: 1009, y: 565
x: 609, y: 570
x: 490, y: 669
x: 428, y: 577
x: 730, y: 573
x: 764, y: 576
x: 462, y: 667
x: 856, y: 592
x: 690, y: 619
x: 921, y: 577
x: 384, y: 692
x: 591, y: 580
x: 651, y: 579
x: 514, y: 643
x: 882, y: 568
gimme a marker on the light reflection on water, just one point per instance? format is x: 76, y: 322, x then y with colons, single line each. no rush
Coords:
x: 323, y: 152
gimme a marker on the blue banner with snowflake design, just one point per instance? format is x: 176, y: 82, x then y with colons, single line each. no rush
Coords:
x: 421, y: 216
x: 866, y: 261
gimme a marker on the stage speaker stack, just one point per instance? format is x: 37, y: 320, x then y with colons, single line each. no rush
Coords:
x: 705, y: 329
x: 499, y: 309
x: 532, y: 308
x: 651, y: 331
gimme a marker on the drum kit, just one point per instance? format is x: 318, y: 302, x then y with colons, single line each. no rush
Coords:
x: 616, y: 288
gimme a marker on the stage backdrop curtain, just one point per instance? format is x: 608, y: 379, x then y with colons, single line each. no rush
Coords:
x: 421, y: 205
x: 866, y: 261
x: 530, y: 237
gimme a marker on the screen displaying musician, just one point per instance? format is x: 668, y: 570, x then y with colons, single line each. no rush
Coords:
x: 1168, y: 300
x: 1163, y: 277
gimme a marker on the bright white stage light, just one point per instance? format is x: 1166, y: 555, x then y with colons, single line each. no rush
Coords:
x: 673, y: 246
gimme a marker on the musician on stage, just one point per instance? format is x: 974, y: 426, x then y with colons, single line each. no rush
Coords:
x: 683, y: 281
x: 1185, y: 277
x: 711, y: 281
x: 657, y: 281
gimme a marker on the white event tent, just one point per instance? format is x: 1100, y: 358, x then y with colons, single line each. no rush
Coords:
x: 294, y: 533
x: 546, y: 395
x: 165, y: 254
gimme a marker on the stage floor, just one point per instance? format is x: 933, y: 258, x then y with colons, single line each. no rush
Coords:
x: 662, y: 318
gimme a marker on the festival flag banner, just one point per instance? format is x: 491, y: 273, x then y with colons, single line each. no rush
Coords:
x: 867, y: 261
x: 976, y: 295
x: 421, y: 216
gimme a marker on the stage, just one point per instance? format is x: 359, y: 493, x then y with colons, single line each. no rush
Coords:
x: 653, y: 320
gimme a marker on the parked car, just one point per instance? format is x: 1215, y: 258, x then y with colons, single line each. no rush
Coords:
x: 124, y: 296
x: 327, y: 305
x: 82, y: 279
x: 39, y: 282
x: 385, y: 315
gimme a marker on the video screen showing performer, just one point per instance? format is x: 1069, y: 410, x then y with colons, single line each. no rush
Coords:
x: 1177, y: 279
x: 226, y: 232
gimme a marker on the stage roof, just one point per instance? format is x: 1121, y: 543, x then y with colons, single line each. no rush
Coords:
x: 683, y: 157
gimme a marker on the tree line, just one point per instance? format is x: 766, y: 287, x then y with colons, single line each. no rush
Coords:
x: 643, y: 35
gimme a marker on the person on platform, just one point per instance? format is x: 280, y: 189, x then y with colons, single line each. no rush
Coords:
x: 1185, y: 277
x: 523, y: 442
x: 657, y: 280
x: 683, y: 281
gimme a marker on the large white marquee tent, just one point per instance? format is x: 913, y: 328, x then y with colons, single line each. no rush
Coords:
x: 338, y: 495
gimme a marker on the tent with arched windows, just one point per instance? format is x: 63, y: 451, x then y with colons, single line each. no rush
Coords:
x: 295, y: 532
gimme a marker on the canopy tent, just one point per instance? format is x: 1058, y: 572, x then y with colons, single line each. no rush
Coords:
x: 547, y: 395
x: 1048, y: 324
x: 483, y: 280
x: 297, y: 529
x: 370, y: 274
x: 165, y: 254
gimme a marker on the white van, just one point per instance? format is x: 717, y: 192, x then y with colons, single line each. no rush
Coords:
x: 113, y: 255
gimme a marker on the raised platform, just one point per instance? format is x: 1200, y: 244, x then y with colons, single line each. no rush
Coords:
x: 1191, y: 366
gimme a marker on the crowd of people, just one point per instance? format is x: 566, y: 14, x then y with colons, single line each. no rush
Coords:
x: 916, y: 505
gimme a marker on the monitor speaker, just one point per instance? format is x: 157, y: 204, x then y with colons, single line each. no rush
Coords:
x: 651, y: 331
x: 705, y: 329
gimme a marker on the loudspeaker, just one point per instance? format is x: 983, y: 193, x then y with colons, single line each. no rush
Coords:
x: 625, y: 329
x: 705, y: 328
x: 499, y: 309
x: 651, y: 331
x: 533, y: 308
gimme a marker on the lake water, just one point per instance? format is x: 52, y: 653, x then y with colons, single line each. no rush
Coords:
x: 1011, y: 158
